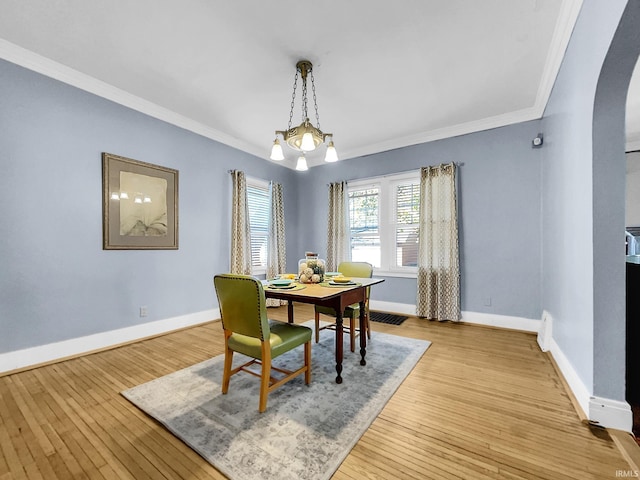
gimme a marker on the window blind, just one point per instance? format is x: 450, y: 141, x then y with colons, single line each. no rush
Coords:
x: 258, y: 202
x: 407, y: 218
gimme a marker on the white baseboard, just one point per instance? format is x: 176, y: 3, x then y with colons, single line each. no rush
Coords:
x: 28, y: 357
x: 392, y: 307
x: 502, y: 321
x: 605, y: 412
x: 546, y: 331
x: 611, y: 413
x: 578, y: 388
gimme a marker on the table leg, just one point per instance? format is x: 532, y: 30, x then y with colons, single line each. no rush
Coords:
x: 363, y: 321
x: 290, y: 311
x: 339, y: 346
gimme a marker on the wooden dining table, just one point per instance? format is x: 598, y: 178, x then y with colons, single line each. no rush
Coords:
x: 336, y: 297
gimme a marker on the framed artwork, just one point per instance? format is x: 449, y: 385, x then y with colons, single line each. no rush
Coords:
x: 140, y: 205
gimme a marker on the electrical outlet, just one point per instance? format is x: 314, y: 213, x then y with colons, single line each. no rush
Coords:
x: 143, y: 311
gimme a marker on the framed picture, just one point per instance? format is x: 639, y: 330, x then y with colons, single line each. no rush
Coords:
x: 140, y: 205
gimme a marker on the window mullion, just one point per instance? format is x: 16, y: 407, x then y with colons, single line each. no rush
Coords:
x: 386, y: 213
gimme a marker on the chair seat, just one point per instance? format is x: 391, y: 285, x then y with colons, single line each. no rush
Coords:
x: 348, y: 311
x: 352, y: 312
x: 284, y: 337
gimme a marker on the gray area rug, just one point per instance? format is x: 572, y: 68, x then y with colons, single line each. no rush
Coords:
x: 306, y: 431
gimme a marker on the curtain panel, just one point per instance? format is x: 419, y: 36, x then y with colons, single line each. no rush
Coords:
x: 438, y: 257
x: 338, y: 248
x: 240, y: 227
x: 276, y: 248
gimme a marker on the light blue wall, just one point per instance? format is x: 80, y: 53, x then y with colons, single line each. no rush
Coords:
x: 499, y: 205
x: 573, y: 248
x: 56, y: 282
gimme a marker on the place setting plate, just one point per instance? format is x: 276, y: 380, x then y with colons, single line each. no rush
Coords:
x: 331, y: 283
x: 282, y: 284
x: 340, y: 282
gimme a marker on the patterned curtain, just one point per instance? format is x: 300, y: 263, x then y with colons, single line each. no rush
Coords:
x: 240, y: 228
x: 276, y: 249
x: 338, y: 248
x: 438, y: 263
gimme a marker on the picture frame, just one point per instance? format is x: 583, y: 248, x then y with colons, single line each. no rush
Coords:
x: 140, y: 205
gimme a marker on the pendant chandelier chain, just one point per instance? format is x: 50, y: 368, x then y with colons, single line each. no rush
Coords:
x: 315, y: 102
x: 293, y: 99
x: 305, y: 110
x: 305, y: 115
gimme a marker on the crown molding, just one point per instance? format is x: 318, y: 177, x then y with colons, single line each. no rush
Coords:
x: 562, y: 33
x: 488, y: 123
x: 569, y: 11
x: 50, y: 68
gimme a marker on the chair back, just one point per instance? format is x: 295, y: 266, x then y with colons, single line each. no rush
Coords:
x: 356, y: 269
x: 242, y: 305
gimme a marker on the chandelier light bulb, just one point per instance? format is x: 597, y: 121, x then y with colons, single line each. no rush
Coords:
x: 124, y: 195
x: 302, y: 164
x: 138, y: 200
x: 115, y: 196
x: 276, y: 151
x: 147, y: 199
x: 307, y: 143
x: 331, y: 155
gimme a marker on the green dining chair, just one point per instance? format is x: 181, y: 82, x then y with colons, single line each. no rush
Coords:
x: 247, y: 330
x: 352, y: 312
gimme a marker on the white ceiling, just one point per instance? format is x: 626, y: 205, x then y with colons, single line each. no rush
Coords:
x: 387, y: 74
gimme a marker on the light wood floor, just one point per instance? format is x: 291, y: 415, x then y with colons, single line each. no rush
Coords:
x: 482, y: 403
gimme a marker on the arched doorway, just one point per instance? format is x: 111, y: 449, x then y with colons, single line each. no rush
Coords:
x: 609, y: 168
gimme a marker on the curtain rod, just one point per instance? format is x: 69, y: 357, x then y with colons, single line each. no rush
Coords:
x: 457, y: 164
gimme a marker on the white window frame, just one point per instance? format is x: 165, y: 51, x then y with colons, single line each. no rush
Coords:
x: 261, y: 185
x: 387, y: 219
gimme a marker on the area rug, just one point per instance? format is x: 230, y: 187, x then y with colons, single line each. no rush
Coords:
x: 390, y: 318
x: 306, y: 431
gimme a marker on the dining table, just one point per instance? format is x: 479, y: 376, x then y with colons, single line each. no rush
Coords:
x: 333, y: 295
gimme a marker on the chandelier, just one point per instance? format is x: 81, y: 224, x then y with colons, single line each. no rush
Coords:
x: 305, y: 137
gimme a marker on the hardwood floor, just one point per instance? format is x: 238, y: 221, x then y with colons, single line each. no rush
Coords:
x: 481, y: 404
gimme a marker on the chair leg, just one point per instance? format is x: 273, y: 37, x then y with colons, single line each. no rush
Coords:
x: 317, y: 317
x: 265, y: 376
x: 307, y: 362
x: 226, y: 372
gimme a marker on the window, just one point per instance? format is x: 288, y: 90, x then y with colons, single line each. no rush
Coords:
x: 258, y: 201
x: 406, y: 225
x: 363, y: 222
x: 384, y: 218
